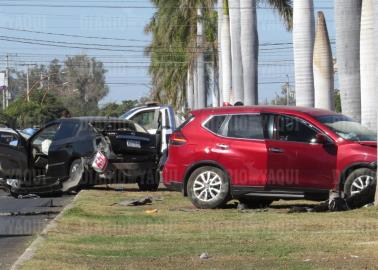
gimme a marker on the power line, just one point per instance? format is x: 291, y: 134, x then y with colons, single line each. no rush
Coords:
x: 120, y: 6
x: 72, y: 35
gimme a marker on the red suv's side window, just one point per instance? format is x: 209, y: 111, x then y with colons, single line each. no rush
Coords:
x: 291, y: 129
x: 245, y: 126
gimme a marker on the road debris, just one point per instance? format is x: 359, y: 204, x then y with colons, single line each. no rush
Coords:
x: 139, y: 202
x: 28, y: 196
x: 150, y: 212
x: 337, y: 203
x: 187, y: 210
x: 204, y: 256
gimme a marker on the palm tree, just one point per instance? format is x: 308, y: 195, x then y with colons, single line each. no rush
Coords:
x: 250, y: 42
x: 220, y: 69
x: 250, y: 50
x: 190, y: 89
x: 226, y: 54
x: 236, y: 55
x: 376, y: 73
x: 201, y: 94
x: 323, y: 67
x: 174, y: 50
x: 303, y: 42
x: 368, y: 84
x: 348, y: 22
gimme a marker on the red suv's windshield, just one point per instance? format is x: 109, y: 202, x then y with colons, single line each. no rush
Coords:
x: 347, y: 128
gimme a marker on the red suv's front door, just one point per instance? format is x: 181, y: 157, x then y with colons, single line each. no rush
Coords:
x: 242, y: 150
x: 295, y: 158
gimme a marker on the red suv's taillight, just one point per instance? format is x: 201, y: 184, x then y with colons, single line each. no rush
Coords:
x: 177, y: 138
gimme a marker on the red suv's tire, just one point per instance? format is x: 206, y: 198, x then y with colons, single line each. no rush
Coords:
x: 208, y: 187
x: 358, y: 180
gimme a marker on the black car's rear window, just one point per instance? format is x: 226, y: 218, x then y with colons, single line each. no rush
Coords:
x: 118, y: 126
x: 67, y: 130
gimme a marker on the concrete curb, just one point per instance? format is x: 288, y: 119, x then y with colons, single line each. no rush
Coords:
x: 33, y: 247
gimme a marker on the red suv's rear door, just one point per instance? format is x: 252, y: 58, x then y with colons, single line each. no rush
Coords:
x: 295, y: 157
x: 242, y: 150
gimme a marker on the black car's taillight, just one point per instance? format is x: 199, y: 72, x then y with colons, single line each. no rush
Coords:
x: 177, y: 138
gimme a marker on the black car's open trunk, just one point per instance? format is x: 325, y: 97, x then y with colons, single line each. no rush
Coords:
x: 127, y: 143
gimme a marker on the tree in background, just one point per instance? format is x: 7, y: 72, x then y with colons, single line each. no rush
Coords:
x: 368, y: 83
x: 236, y: 51
x: 337, y: 99
x: 41, y: 109
x: 303, y: 42
x: 77, y: 84
x: 85, y: 84
x: 174, y: 50
x: 323, y: 67
x: 285, y: 97
x: 250, y: 42
x: 225, y: 51
x: 348, y: 22
x: 116, y: 110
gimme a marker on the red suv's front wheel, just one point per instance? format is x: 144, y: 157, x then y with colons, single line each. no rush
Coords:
x: 358, y: 180
x: 208, y: 187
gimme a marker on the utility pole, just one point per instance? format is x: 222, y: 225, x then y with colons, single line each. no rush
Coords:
x: 27, y: 84
x: 7, y: 93
x: 288, y: 91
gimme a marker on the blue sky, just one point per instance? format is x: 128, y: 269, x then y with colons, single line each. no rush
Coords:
x: 127, y: 66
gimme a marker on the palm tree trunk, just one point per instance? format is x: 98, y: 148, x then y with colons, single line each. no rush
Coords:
x: 303, y: 41
x: 226, y: 55
x: 195, y: 86
x: 200, y: 62
x: 323, y: 67
x: 190, y: 89
x: 348, y: 22
x: 249, y: 49
x: 215, y: 84
x: 220, y: 71
x: 368, y: 86
x: 237, y: 66
x: 376, y: 74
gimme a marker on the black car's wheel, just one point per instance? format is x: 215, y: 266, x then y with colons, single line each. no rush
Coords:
x: 150, y: 182
x: 358, y: 180
x: 76, y: 173
x: 208, y: 187
x: 254, y: 203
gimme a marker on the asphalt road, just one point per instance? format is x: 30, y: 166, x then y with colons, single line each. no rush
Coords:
x: 21, y: 220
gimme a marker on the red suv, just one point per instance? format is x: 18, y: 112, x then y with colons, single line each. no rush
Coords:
x: 261, y: 154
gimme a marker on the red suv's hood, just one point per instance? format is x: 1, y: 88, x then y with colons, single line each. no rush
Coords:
x: 367, y: 143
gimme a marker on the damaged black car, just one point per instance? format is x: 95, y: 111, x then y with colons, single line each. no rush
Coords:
x: 69, y: 154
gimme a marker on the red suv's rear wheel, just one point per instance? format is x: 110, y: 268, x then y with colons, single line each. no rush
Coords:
x: 208, y: 187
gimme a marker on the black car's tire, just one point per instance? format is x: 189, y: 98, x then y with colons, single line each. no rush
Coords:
x: 358, y: 180
x: 150, y: 182
x: 208, y: 188
x: 76, y: 173
x: 255, y: 203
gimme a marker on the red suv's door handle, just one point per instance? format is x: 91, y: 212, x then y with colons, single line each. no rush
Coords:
x: 276, y: 150
x: 222, y: 146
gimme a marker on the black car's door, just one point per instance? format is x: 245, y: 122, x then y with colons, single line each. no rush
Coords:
x: 66, y: 146
x: 39, y: 148
x: 13, y: 155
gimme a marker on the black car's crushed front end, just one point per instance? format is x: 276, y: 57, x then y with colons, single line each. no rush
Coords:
x: 131, y: 156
